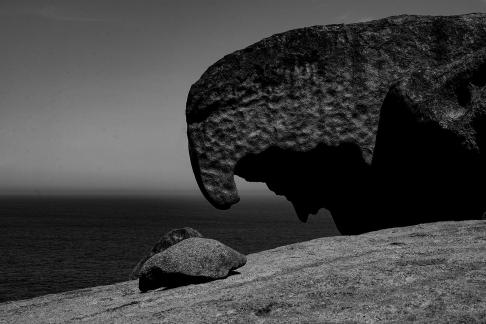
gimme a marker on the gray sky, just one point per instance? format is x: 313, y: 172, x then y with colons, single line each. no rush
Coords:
x: 92, y: 93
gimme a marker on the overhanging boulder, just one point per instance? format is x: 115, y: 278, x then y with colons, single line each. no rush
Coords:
x: 300, y: 110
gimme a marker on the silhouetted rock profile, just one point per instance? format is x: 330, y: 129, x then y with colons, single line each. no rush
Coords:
x: 193, y: 260
x: 300, y: 111
x: 170, y: 238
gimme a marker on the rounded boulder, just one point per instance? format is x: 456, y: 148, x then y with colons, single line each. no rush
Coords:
x: 170, y: 238
x: 193, y: 260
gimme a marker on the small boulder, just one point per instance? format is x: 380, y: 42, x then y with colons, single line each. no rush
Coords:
x: 193, y: 260
x: 170, y: 238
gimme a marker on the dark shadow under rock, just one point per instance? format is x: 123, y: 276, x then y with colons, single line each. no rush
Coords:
x: 336, y: 178
x: 430, y: 151
x: 157, y: 279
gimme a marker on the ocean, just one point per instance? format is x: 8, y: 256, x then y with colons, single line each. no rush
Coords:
x: 55, y: 244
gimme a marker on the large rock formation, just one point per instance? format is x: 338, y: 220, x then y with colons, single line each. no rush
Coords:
x: 300, y: 111
x: 430, y: 273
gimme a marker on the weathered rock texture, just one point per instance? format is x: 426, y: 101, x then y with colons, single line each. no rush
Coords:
x: 431, y: 273
x: 300, y: 111
x: 193, y: 260
x: 170, y: 238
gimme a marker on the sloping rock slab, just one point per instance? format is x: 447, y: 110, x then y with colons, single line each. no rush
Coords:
x: 429, y: 273
x: 193, y: 260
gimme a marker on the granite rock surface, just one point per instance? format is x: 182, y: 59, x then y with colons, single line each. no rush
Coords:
x: 170, y: 238
x: 428, y: 273
x: 192, y: 260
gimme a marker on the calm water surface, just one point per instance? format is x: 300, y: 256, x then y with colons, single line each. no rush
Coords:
x: 55, y: 244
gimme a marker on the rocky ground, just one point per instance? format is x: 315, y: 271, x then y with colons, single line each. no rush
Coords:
x: 425, y: 273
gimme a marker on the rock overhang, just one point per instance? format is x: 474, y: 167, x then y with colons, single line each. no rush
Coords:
x: 312, y: 87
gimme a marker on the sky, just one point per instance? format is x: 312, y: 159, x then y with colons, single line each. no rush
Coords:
x: 93, y: 92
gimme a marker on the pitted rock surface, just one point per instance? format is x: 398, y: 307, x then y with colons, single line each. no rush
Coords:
x: 192, y: 260
x: 170, y: 238
x: 321, y: 85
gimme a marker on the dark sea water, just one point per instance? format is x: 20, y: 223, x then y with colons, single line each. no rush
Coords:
x: 55, y: 244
